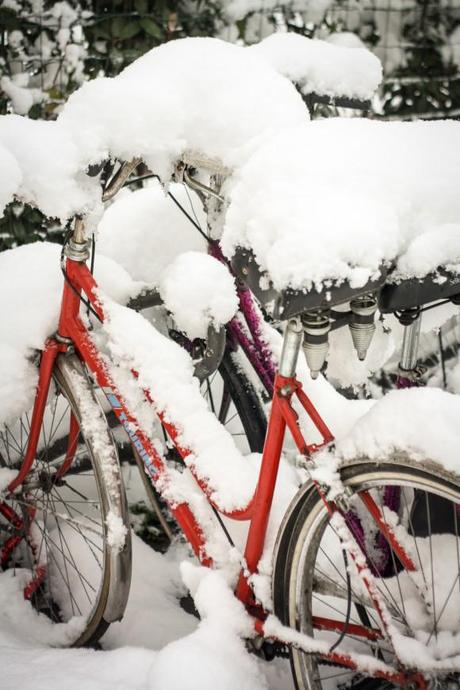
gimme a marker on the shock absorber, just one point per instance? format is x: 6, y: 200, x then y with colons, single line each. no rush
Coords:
x: 362, y: 326
x: 316, y: 327
x: 411, y: 319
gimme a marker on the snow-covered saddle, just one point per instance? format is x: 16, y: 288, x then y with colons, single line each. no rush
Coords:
x: 336, y: 208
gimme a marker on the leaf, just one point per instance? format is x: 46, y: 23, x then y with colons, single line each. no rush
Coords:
x: 151, y: 28
x: 101, y: 29
x: 129, y: 30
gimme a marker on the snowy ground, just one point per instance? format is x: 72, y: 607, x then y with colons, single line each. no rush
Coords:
x: 157, y: 645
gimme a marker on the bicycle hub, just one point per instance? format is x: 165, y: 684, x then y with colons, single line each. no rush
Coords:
x: 362, y: 326
x: 316, y: 327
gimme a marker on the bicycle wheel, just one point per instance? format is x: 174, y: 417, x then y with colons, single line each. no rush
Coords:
x: 310, y: 576
x: 65, y: 531
x: 233, y: 399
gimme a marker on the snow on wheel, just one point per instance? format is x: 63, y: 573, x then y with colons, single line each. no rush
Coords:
x: 319, y: 592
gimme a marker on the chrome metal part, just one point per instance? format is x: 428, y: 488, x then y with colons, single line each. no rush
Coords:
x: 409, y: 351
x: 77, y: 248
x: 79, y: 232
x: 120, y: 178
x: 416, y: 375
x: 291, y: 347
x: 316, y: 327
x: 200, y: 187
x: 199, y: 160
x: 63, y: 339
x: 113, y: 497
x: 362, y: 326
x: 77, y: 251
x: 212, y: 356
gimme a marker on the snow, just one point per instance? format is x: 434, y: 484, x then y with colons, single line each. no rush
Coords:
x: 312, y: 217
x: 150, y: 237
x: 144, y: 231
x: 384, y: 193
x: 157, y: 108
x: 22, y: 99
x: 30, y: 313
x: 166, y: 370
x: 162, y: 646
x: 321, y: 67
x: 346, y: 39
x: 413, y: 421
x: 10, y: 177
x: 116, y: 531
x: 52, y: 170
x: 200, y: 292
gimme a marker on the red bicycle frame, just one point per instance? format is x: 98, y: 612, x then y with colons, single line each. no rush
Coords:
x: 73, y: 334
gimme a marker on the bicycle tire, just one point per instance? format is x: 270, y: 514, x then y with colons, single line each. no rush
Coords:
x: 303, y: 585
x: 245, y: 400
x: 79, y: 526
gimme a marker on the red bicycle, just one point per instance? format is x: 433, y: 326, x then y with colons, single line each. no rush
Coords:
x: 365, y: 593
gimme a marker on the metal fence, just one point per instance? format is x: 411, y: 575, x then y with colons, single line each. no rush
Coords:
x: 418, y: 42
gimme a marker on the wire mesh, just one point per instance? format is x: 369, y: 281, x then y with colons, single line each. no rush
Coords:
x: 51, y: 47
x: 417, y: 41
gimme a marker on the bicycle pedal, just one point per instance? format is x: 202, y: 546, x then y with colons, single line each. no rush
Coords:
x: 267, y: 650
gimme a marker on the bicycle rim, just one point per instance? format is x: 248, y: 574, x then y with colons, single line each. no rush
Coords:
x: 310, y: 580
x: 74, y: 554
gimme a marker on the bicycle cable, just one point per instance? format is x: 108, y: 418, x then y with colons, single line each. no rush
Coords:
x: 84, y: 301
x: 91, y: 267
x: 347, y: 616
x: 178, y: 204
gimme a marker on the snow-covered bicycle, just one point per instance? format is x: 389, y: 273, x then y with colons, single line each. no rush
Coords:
x: 365, y: 586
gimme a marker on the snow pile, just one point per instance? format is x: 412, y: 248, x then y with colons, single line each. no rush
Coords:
x: 174, y: 650
x: 332, y: 200
x: 398, y: 422
x: 218, y: 638
x: 30, y: 313
x: 144, y: 231
x: 51, y: 167
x: 320, y: 67
x: 199, y: 291
x: 166, y: 370
x: 198, y: 94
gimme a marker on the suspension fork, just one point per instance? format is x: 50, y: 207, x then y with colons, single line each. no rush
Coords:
x: 411, y: 321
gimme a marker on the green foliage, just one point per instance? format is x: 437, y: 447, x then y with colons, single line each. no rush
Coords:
x: 22, y: 224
